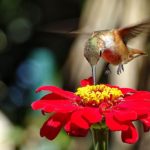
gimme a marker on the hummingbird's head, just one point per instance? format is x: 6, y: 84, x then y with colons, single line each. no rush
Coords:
x: 92, y: 54
x: 91, y: 51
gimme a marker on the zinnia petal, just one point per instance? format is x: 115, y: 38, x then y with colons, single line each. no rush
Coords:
x: 146, y: 123
x: 74, y: 130
x: 131, y: 135
x: 127, y: 90
x: 58, y: 91
x: 86, y: 82
x: 52, y: 96
x: 140, y: 96
x: 78, y: 120
x: 135, y: 105
x: 113, y: 123
x: 53, y: 106
x: 81, y: 120
x: 53, y: 125
x: 124, y: 116
x: 92, y: 115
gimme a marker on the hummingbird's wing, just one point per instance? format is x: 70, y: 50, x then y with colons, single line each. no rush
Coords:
x: 67, y: 27
x: 133, y: 31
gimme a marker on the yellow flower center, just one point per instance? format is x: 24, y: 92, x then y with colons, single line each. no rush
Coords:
x: 95, y: 94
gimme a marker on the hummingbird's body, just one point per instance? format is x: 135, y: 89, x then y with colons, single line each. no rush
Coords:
x: 115, y: 51
x: 111, y: 45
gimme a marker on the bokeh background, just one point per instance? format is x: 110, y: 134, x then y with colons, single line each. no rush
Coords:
x: 31, y: 56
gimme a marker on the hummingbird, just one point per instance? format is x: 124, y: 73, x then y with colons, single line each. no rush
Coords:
x: 111, y: 45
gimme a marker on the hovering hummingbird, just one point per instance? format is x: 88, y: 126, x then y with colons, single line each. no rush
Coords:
x: 111, y: 45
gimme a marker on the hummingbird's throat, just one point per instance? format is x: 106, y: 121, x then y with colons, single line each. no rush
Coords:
x: 94, y: 95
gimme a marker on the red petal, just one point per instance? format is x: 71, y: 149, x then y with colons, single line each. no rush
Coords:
x: 39, y: 104
x: 58, y: 91
x: 114, y: 124
x: 139, y: 107
x: 54, y: 105
x: 52, y: 96
x: 86, y: 82
x: 127, y: 90
x: 77, y: 120
x: 130, y: 136
x: 92, y: 115
x: 146, y: 123
x: 140, y: 96
x: 81, y: 120
x: 53, y: 125
x: 124, y: 116
x: 74, y: 130
x: 60, y: 108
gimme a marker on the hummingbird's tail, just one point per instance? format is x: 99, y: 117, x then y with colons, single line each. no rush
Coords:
x: 133, y: 53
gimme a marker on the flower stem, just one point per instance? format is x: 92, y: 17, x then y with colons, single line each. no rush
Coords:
x: 100, y: 138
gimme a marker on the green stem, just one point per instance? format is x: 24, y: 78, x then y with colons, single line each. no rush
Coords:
x: 100, y: 138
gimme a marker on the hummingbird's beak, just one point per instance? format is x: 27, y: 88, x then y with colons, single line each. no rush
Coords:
x: 94, y: 73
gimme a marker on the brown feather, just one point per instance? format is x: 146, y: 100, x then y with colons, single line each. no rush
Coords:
x: 133, y: 53
x: 133, y: 31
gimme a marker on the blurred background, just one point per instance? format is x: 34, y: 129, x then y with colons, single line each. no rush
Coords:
x: 31, y: 56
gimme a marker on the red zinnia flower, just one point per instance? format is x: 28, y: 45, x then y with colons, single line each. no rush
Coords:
x: 91, y: 105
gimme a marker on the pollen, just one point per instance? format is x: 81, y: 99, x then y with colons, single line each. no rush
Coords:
x: 95, y: 94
